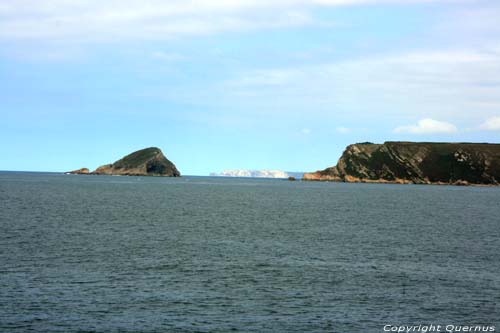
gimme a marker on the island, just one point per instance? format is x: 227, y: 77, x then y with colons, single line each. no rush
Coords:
x: 415, y: 163
x: 251, y: 173
x: 144, y: 162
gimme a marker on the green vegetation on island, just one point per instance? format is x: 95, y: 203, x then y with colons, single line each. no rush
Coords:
x: 416, y: 163
x: 144, y: 162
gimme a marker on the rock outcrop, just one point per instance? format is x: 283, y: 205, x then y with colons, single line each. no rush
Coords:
x: 416, y: 163
x: 144, y: 162
x: 82, y: 171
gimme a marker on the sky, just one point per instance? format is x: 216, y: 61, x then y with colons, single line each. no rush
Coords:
x: 241, y: 84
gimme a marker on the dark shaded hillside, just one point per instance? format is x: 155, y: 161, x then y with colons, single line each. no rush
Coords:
x: 144, y: 162
x: 419, y: 163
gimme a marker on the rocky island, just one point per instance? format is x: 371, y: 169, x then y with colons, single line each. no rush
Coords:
x: 144, y: 162
x: 416, y: 163
x: 251, y: 173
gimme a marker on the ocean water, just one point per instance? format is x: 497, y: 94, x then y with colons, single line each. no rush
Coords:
x: 201, y: 254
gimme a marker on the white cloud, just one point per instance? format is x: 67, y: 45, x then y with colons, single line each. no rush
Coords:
x: 480, y: 21
x: 343, y: 130
x: 442, y: 83
x: 428, y: 126
x: 491, y: 124
x: 305, y: 131
x: 148, y: 19
x: 96, y: 20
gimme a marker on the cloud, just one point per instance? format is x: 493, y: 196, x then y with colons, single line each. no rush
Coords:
x: 491, y: 124
x: 444, y: 82
x: 96, y: 20
x: 343, y: 130
x: 478, y: 21
x: 305, y: 131
x: 428, y: 126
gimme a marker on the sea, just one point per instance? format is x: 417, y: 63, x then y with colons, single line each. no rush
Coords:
x: 205, y: 254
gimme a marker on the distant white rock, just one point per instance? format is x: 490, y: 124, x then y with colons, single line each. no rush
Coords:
x: 251, y: 173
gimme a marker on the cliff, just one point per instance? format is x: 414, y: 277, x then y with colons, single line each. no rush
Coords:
x: 251, y: 173
x: 416, y: 163
x: 145, y: 162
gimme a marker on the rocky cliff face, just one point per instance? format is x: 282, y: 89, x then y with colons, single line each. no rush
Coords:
x: 82, y: 171
x: 145, y: 162
x: 417, y: 163
x: 251, y: 173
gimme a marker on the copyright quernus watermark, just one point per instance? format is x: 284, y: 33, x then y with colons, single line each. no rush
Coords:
x: 438, y: 328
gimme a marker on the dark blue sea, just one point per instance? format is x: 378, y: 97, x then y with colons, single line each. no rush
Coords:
x: 201, y: 254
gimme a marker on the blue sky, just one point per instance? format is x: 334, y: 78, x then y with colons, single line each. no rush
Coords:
x: 237, y: 84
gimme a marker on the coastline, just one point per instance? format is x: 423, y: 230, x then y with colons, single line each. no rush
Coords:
x: 312, y: 178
